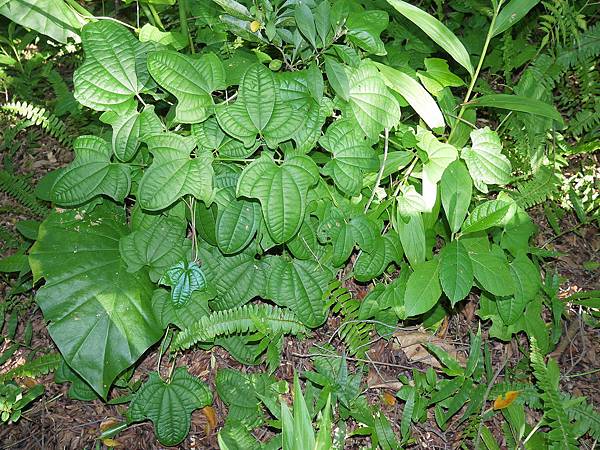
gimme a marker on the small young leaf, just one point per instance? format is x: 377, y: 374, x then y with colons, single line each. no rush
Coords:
x: 183, y: 278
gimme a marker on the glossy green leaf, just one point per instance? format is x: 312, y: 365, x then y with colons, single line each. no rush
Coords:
x: 184, y: 278
x: 423, y: 288
x: 437, y: 31
x: 99, y: 314
x: 456, y: 271
x: 487, y: 215
x: 416, y: 96
x: 438, y: 76
x: 371, y: 264
x: 486, y: 163
x: 114, y: 70
x: 191, y: 80
x: 169, y: 404
x: 209, y: 136
x: 300, y: 286
x: 131, y: 128
x: 304, y: 244
x: 371, y: 104
x: 149, y: 33
x: 173, y: 173
x: 511, y: 13
x: 91, y: 174
x: 517, y: 103
x: 456, y: 189
x: 526, y: 277
x: 281, y: 191
x: 492, y: 271
x: 351, y: 156
x: 185, y: 316
x: 236, y: 225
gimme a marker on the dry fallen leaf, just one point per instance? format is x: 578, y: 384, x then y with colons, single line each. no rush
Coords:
x: 111, y: 443
x: 389, y: 399
x: 108, y: 423
x: 211, y: 418
x: 505, y: 401
x: 410, y: 343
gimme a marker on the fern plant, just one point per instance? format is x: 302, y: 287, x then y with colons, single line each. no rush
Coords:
x: 22, y: 192
x: 51, y: 124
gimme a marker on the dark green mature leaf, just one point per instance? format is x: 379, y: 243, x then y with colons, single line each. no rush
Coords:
x: 492, y: 271
x: 184, y: 278
x: 281, y: 191
x: 174, y: 173
x: 305, y: 21
x: 131, y: 128
x: 100, y: 315
x: 114, y: 70
x: 423, y: 288
x: 456, y: 271
x: 169, y: 404
x: 191, y: 80
x: 412, y: 237
x: 236, y: 225
x: 337, y: 77
x: 517, y: 103
x: 511, y: 13
x: 364, y: 28
x: 456, y: 189
x: 91, y: 174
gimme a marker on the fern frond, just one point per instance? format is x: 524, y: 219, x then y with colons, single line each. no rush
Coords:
x: 247, y: 318
x: 561, y: 428
x: 588, y: 47
x: 10, y: 239
x: 65, y: 101
x: 537, y: 190
x: 39, y: 116
x: 35, y: 368
x: 587, y: 418
x: 17, y: 188
x: 354, y: 333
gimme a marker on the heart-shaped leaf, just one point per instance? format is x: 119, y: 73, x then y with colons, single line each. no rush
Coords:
x: 169, y: 404
x: 91, y: 174
x: 190, y: 80
x: 184, y: 278
x: 174, y: 173
x: 99, y: 314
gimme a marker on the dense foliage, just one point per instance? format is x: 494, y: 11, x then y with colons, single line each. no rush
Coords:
x: 243, y: 168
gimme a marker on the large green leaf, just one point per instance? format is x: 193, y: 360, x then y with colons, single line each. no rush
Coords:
x: 299, y: 285
x: 412, y: 237
x: 492, y: 271
x: 517, y: 103
x: 486, y: 163
x: 281, y: 191
x: 416, y: 96
x: 371, y: 104
x: 436, y: 30
x: 236, y: 225
x: 91, y: 174
x: 456, y: 271
x: 99, y: 315
x: 456, y: 189
x: 526, y: 277
x: 114, y: 70
x: 174, y: 173
x: 439, y: 156
x: 337, y: 77
x: 209, y: 136
x: 351, y: 156
x: 423, y: 288
x: 54, y: 18
x: 191, y: 80
x: 486, y: 215
x: 259, y: 110
x: 169, y: 404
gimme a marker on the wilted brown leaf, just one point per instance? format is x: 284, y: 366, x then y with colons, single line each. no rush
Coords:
x: 410, y: 343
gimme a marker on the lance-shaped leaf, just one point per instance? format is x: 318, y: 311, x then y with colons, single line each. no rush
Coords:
x: 371, y: 104
x: 351, y: 156
x: 99, y: 315
x: 184, y: 278
x: 456, y: 189
x: 486, y: 163
x: 299, y: 285
x: 436, y: 30
x: 190, y: 80
x: 259, y: 110
x: 174, y: 173
x: 456, y: 271
x: 91, y: 174
x: 169, y: 404
x: 114, y: 69
x: 281, y: 191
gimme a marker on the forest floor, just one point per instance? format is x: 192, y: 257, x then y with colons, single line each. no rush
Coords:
x: 57, y: 422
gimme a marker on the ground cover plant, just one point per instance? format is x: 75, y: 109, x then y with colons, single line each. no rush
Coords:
x: 246, y: 175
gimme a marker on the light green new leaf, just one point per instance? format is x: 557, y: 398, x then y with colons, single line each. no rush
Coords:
x: 114, y: 70
x: 456, y: 189
x: 53, y: 18
x: 371, y: 104
x: 423, y: 288
x: 416, y: 96
x: 191, y: 80
x: 299, y: 285
x: 169, y: 404
x: 486, y: 163
x: 149, y: 33
x: 364, y: 28
x: 456, y: 271
x: 184, y: 278
x: 517, y: 103
x: 410, y: 202
x: 492, y: 271
x: 91, y: 174
x: 436, y: 30
x: 438, y: 76
x: 236, y: 225
x: 510, y: 14
x: 351, y: 156
x: 99, y: 315
x: 439, y: 154
x: 305, y: 21
x: 131, y: 128
x: 281, y: 191
x: 488, y: 214
x: 173, y: 173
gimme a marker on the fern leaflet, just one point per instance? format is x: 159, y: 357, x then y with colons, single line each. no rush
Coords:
x: 35, y: 368
x: 39, y: 116
x: 537, y: 190
x: 17, y: 188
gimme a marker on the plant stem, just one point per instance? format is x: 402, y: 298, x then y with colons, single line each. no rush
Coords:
x: 156, y: 17
x: 386, y: 133
x: 183, y: 24
x: 488, y: 38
